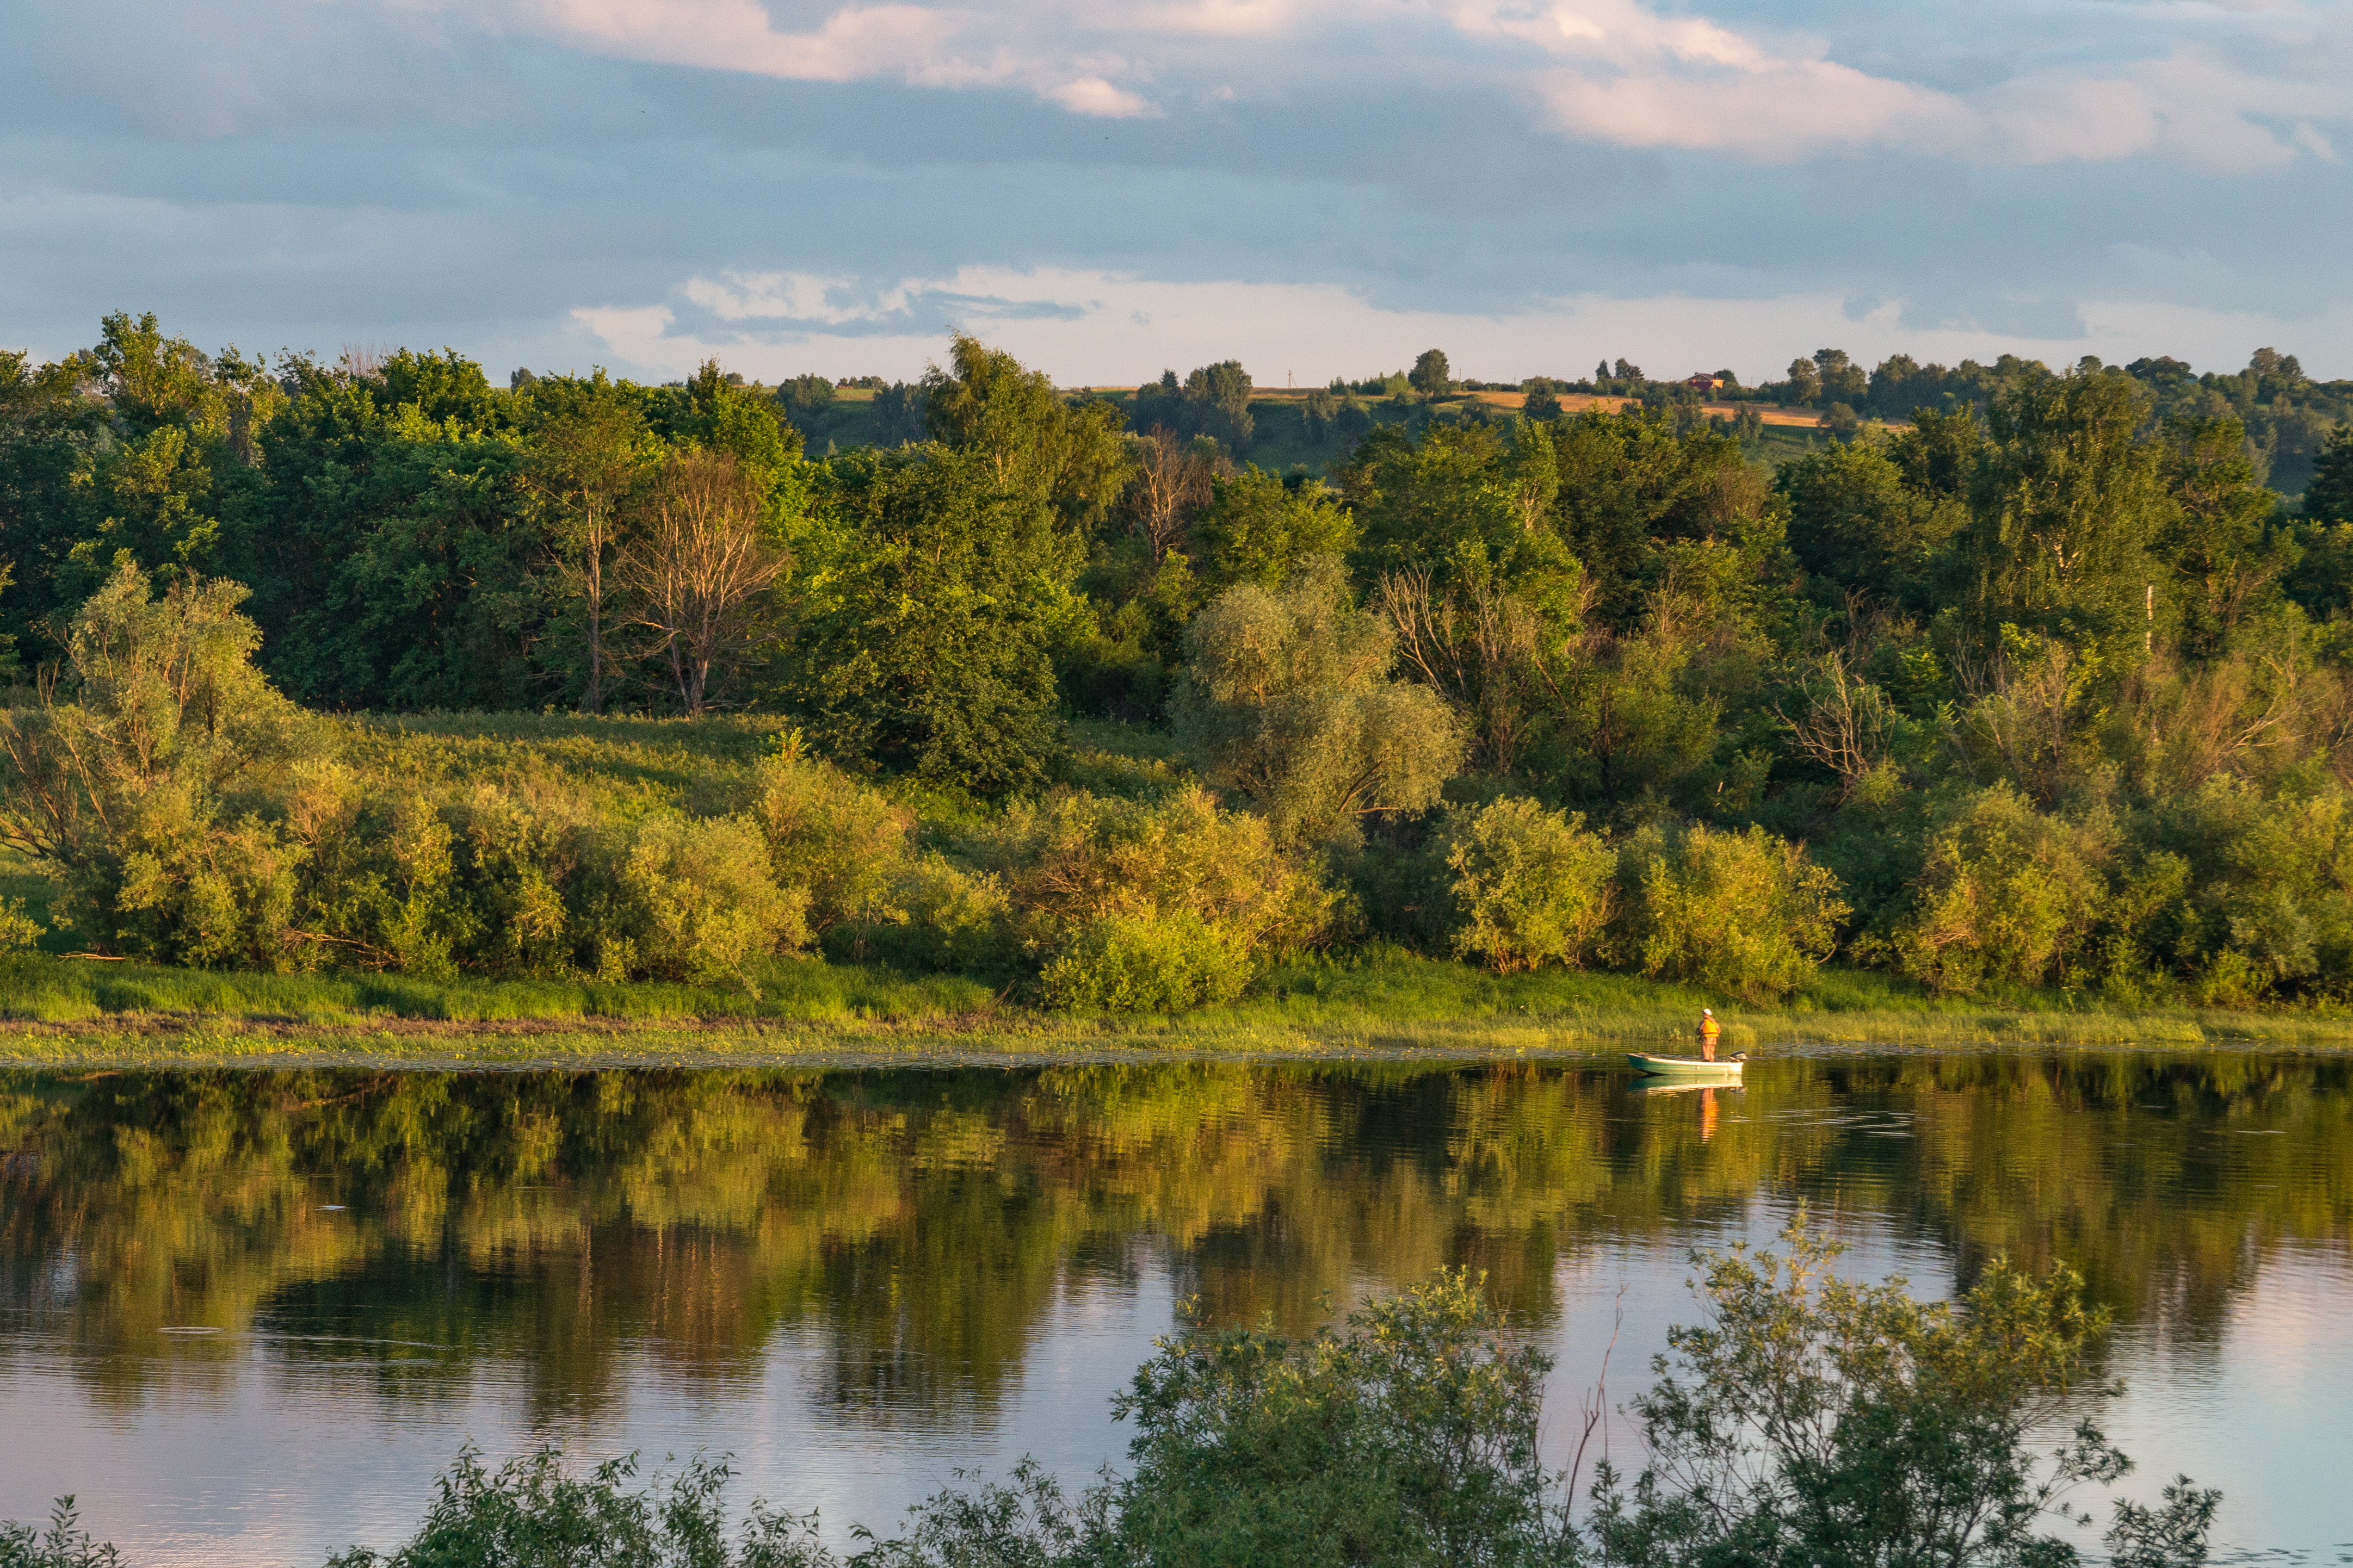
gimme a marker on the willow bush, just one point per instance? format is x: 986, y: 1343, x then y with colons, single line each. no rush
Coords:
x: 1126, y: 904
x: 1531, y: 887
x: 2008, y: 893
x: 1745, y: 913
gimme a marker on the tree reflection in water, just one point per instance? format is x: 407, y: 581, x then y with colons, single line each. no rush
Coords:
x: 924, y: 1223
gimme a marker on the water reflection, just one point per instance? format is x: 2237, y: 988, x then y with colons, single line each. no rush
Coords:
x: 913, y: 1235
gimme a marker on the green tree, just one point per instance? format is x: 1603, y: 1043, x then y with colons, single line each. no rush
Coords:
x: 391, y: 542
x: 1839, y: 379
x: 1629, y: 484
x: 1940, y: 453
x: 2328, y: 497
x: 2065, y: 511
x: 1430, y: 375
x: 931, y: 592
x: 715, y: 409
x: 1066, y: 453
x: 2226, y: 561
x: 590, y: 450
x: 1805, y: 381
x: 1855, y: 521
x: 1287, y: 701
x: 1460, y: 501
x: 1257, y: 529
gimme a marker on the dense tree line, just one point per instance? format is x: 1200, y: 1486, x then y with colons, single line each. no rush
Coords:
x: 2049, y: 687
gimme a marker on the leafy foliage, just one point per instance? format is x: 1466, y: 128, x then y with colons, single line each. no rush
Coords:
x: 1811, y: 1420
x: 1532, y: 886
x: 1745, y: 913
x: 1289, y: 702
x: 2072, y: 585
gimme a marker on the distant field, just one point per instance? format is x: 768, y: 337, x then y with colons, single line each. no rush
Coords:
x: 1280, y: 443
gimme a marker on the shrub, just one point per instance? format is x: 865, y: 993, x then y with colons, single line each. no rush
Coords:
x: 1126, y: 964
x: 18, y: 929
x: 1116, y: 880
x: 1408, y: 1435
x: 125, y: 789
x: 2271, y: 909
x: 531, y: 1513
x: 936, y: 915
x: 207, y: 895
x: 65, y: 1546
x: 1532, y: 886
x: 1817, y: 1421
x: 700, y: 902
x: 827, y: 833
x: 2007, y: 893
x: 521, y: 860
x: 1745, y: 913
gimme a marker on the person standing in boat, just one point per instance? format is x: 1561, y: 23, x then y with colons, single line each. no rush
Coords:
x: 1708, y: 1031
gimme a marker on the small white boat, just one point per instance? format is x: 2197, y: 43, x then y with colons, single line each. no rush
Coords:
x: 1685, y: 1067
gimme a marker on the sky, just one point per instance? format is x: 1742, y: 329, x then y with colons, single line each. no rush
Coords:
x: 1113, y: 187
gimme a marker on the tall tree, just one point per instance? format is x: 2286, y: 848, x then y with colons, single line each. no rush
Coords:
x: 1261, y: 529
x: 590, y: 450
x: 1069, y: 455
x: 2330, y: 496
x: 699, y: 569
x: 2065, y: 511
x: 2226, y: 561
x: 1855, y: 521
x: 1431, y: 376
x: 932, y: 592
x: 390, y: 541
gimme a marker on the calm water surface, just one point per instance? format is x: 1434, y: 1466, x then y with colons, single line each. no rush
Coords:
x: 248, y: 1316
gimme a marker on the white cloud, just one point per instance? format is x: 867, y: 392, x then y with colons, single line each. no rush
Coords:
x: 1092, y: 95
x: 855, y: 41
x: 2147, y: 82
x: 1627, y: 75
x: 786, y: 296
x: 924, y: 46
x: 1097, y: 328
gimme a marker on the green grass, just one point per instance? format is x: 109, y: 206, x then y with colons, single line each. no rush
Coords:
x: 621, y: 760
x: 44, y: 988
x: 74, y: 1012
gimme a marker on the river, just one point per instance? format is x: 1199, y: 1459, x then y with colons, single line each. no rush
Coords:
x: 246, y: 1316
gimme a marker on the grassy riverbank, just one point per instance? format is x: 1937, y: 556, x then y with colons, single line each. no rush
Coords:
x: 71, y: 1012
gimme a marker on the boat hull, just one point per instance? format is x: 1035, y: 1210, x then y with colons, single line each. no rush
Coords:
x: 1682, y: 1067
